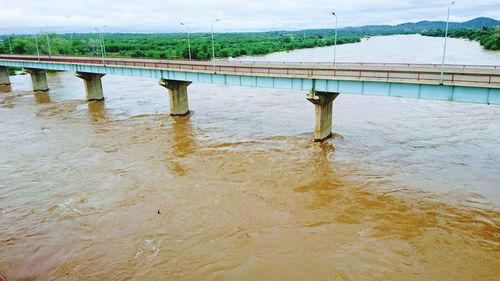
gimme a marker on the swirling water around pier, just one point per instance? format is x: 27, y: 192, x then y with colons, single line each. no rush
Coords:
x: 119, y: 190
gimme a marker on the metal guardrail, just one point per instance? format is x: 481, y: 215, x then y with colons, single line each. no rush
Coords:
x: 428, y: 73
x: 257, y: 62
x: 396, y: 64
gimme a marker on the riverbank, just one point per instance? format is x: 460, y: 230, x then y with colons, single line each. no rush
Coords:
x: 489, y: 38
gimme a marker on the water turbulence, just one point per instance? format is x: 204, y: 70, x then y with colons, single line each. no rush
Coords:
x: 120, y: 190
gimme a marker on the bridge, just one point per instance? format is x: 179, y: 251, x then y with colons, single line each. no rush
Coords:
x: 322, y: 81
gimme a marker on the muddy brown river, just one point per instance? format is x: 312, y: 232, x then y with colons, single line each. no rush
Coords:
x: 119, y: 190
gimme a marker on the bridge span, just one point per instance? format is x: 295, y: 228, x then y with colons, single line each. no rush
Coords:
x: 322, y: 81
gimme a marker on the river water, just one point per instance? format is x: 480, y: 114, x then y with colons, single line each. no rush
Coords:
x: 119, y: 190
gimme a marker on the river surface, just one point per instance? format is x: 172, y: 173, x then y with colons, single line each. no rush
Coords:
x: 119, y: 190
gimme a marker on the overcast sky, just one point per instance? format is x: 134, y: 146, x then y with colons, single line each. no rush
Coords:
x: 29, y: 16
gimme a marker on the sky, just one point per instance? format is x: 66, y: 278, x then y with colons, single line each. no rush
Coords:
x: 63, y: 16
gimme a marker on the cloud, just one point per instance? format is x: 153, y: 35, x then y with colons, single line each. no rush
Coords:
x: 30, y: 16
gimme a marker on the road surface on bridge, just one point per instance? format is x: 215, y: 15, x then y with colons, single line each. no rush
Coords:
x: 454, y: 75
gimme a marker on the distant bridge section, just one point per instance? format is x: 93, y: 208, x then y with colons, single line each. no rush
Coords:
x: 323, y: 81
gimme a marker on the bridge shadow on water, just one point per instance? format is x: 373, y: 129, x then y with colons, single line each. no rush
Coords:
x: 42, y: 97
x: 324, y: 180
x: 181, y: 144
x: 182, y: 136
x: 97, y: 111
x: 5, y: 88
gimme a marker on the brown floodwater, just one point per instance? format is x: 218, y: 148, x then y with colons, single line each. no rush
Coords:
x: 119, y: 190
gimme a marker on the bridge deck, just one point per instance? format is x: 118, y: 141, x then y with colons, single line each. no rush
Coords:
x: 463, y: 75
x: 468, y: 83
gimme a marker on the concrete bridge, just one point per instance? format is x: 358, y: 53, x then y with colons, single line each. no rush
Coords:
x: 323, y: 81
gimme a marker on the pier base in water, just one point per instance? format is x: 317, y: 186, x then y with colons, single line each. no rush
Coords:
x: 38, y: 79
x: 4, y: 76
x: 177, y: 91
x: 323, y: 103
x: 93, y: 85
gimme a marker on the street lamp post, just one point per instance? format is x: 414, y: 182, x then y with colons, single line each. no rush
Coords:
x: 335, y: 41
x: 189, y: 43
x: 10, y: 44
x: 48, y: 44
x: 102, y: 40
x: 213, y: 46
x: 103, y: 47
x: 37, y: 49
x: 445, y: 37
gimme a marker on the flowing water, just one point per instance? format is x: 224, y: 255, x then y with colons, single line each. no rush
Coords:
x: 119, y: 190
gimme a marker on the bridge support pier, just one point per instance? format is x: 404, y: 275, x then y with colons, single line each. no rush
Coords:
x: 38, y: 79
x: 177, y: 91
x: 4, y: 76
x: 93, y: 85
x: 323, y: 103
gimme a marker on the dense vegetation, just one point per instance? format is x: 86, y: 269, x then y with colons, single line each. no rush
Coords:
x: 489, y: 38
x: 173, y: 45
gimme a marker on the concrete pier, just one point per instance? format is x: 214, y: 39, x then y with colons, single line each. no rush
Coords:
x: 38, y: 79
x: 4, y: 76
x: 93, y: 85
x: 323, y: 103
x: 177, y: 91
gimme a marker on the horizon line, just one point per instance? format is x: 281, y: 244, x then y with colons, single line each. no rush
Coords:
x: 240, y: 31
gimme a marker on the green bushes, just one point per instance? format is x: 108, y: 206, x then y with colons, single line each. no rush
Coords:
x: 489, y: 38
x: 12, y: 70
x: 174, y: 45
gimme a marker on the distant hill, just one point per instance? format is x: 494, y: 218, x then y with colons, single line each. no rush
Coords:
x: 408, y: 28
x: 479, y: 22
x: 417, y: 27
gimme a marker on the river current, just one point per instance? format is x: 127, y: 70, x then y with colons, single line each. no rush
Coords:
x: 119, y: 190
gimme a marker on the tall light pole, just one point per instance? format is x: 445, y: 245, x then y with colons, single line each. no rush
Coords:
x: 335, y: 41
x: 102, y: 40
x: 213, y: 46
x: 103, y: 47
x: 37, y: 49
x: 48, y: 43
x: 445, y: 37
x: 10, y: 44
x: 189, y: 43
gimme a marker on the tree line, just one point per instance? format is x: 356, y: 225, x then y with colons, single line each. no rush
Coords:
x: 170, y: 46
x: 489, y: 38
x: 174, y: 45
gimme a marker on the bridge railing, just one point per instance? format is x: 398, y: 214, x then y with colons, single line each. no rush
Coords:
x: 420, y: 73
x: 109, y: 60
x: 382, y: 64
